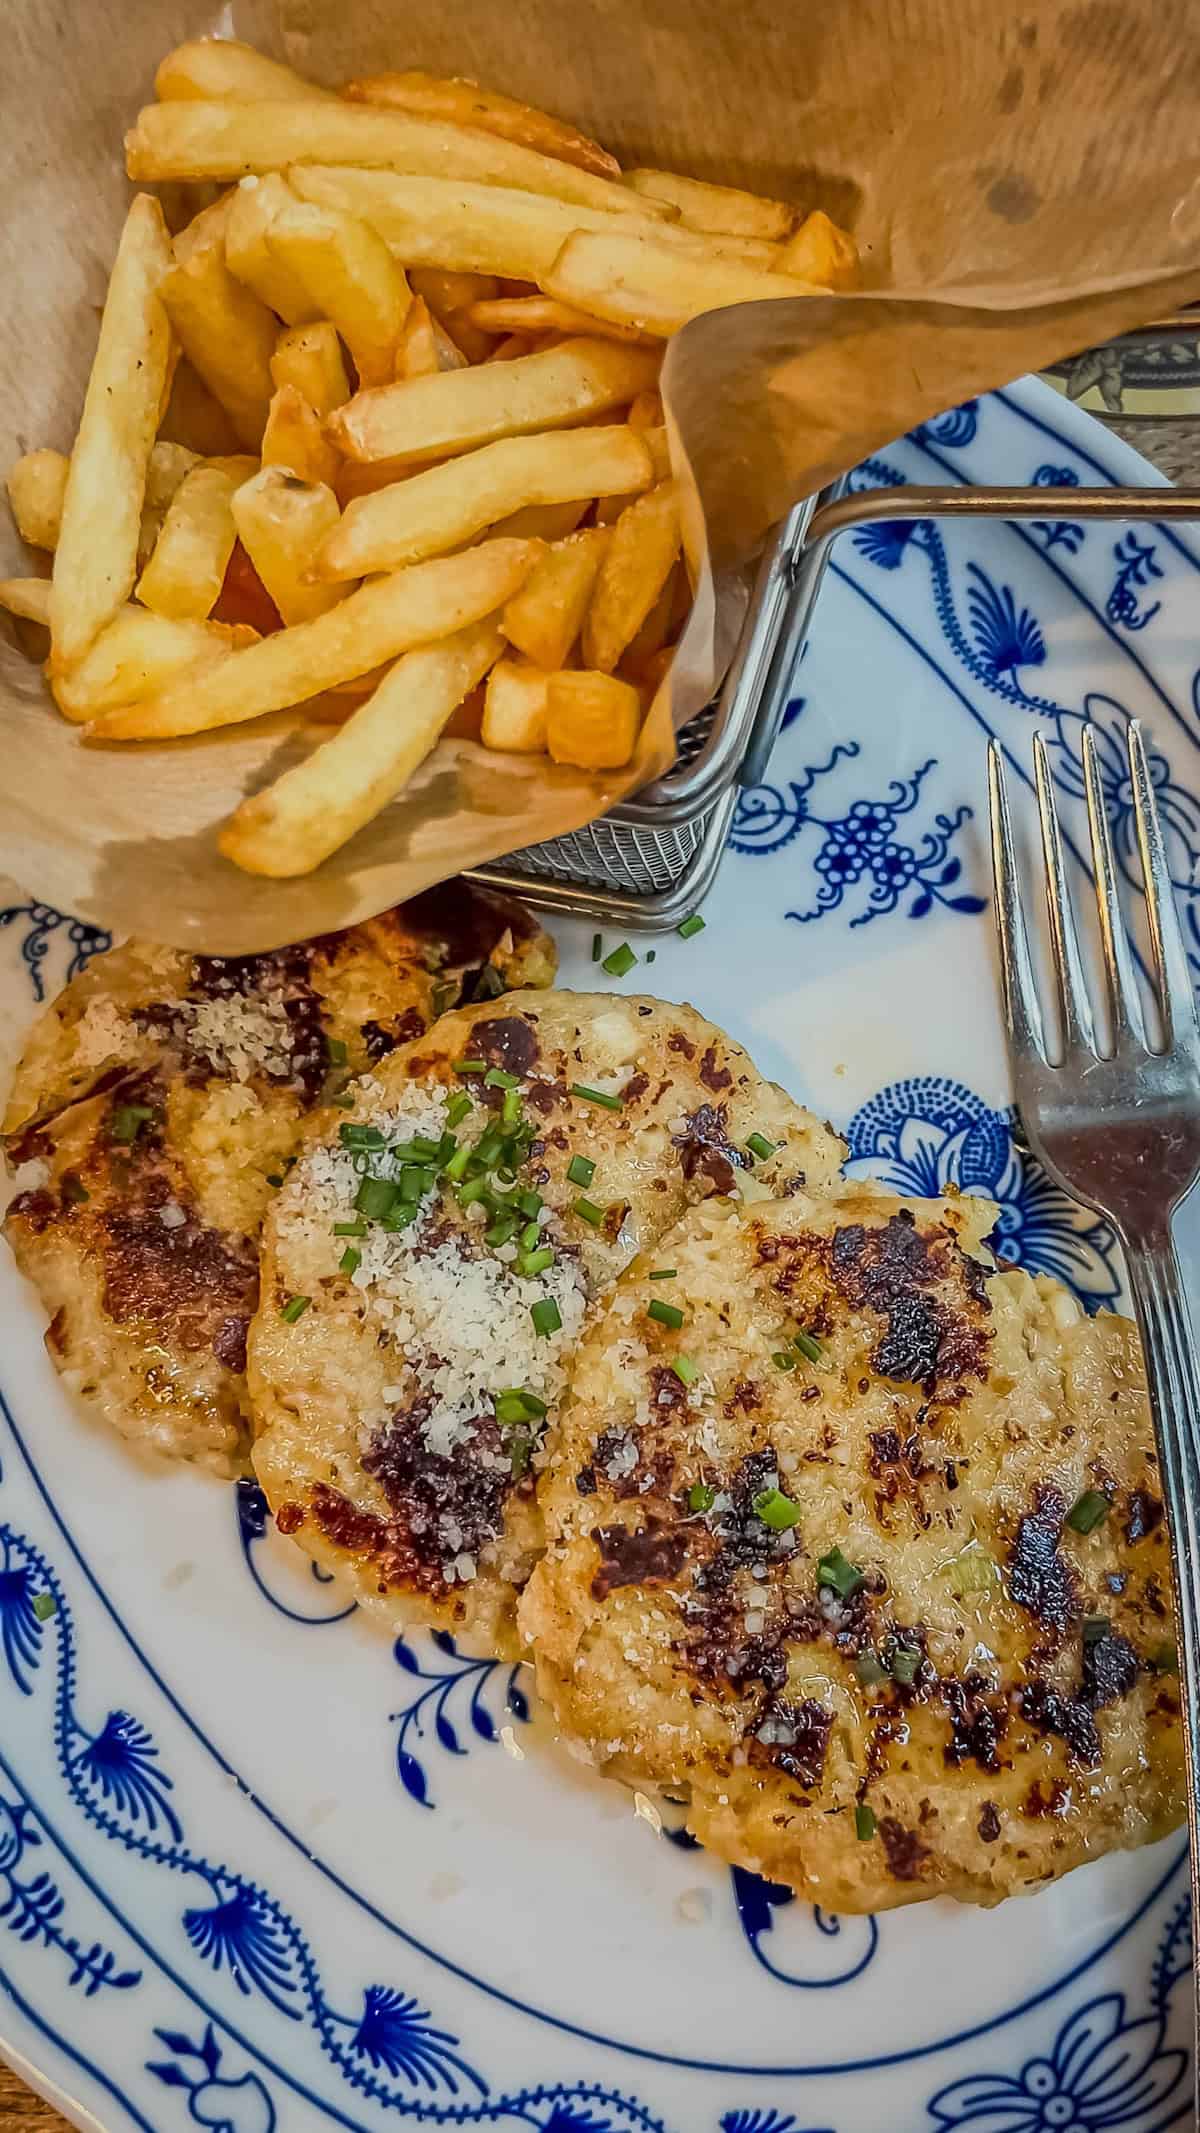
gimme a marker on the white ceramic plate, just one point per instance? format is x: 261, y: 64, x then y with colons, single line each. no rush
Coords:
x: 259, y: 1869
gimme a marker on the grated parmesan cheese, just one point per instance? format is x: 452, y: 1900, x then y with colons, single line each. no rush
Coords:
x: 238, y: 1035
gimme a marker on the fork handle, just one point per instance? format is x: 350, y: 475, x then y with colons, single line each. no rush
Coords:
x: 1173, y: 1374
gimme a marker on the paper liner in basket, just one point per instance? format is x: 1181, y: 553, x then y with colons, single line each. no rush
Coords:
x: 1021, y: 179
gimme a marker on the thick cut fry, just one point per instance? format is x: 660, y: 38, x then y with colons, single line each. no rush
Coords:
x: 514, y: 709
x: 447, y: 505
x: 313, y: 809
x: 427, y: 418
x: 37, y: 483
x: 514, y: 344
x: 543, y: 522
x: 138, y: 653
x: 379, y: 621
x: 27, y: 597
x: 545, y: 617
x: 169, y: 464
x: 446, y: 293
x: 463, y: 227
x: 719, y: 209
x: 641, y: 282
x: 646, y: 411
x: 645, y: 645
x: 543, y: 314
x: 221, y: 67
x: 592, y: 720
x: 223, y: 329
x: 310, y: 358
x: 187, y: 569
x: 823, y: 253
x: 637, y: 563
x: 194, y: 417
x: 95, y: 562
x: 352, y: 278
x: 253, y: 206
x: 281, y: 522
x: 464, y: 103
x: 294, y: 438
x: 217, y: 140
x: 425, y: 346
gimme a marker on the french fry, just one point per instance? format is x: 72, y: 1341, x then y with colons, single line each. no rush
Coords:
x: 294, y: 438
x: 310, y: 358
x: 227, y: 140
x: 27, y: 597
x: 281, y: 522
x: 592, y: 720
x: 514, y: 708
x: 514, y: 344
x: 465, y: 723
x: 95, y: 561
x: 316, y: 807
x: 464, y: 103
x: 352, y: 277
x: 253, y: 206
x: 425, y: 346
x: 543, y: 314
x: 37, y: 483
x: 194, y: 417
x: 224, y: 330
x: 545, y: 617
x: 646, y: 411
x: 222, y: 67
x: 426, y: 418
x: 446, y: 293
x: 184, y: 576
x: 453, y: 224
x: 450, y: 504
x: 381, y: 620
x: 168, y: 465
x: 138, y: 653
x: 719, y: 209
x: 542, y: 522
x: 823, y: 253
x: 642, y: 282
x: 646, y: 643
x: 637, y: 563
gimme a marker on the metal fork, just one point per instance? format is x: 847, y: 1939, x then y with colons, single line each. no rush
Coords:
x: 1116, y: 1121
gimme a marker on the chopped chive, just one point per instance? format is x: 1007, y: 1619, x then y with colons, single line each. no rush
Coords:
x: 420, y: 1145
x: 597, y: 1096
x: 295, y: 1308
x: 620, y: 961
x: 128, y: 1120
x: 352, y: 1136
x: 444, y: 996
x: 864, y: 1822
x: 661, y: 1273
x: 581, y: 1170
x: 510, y: 1109
x: 357, y: 1228
x: 456, y: 1168
x: 666, y: 1314
x: 343, y: 1101
x: 903, y: 1664
x: 496, y: 1078
x: 810, y: 1348
x: 519, y: 1406
x: 489, y: 984
x: 690, y: 927
x: 651, y: 954
x: 685, y: 1370
x: 376, y: 1197
x: 701, y: 1497
x: 415, y: 1181
x: 335, y: 1051
x: 520, y: 1451
x: 398, y: 1218
x: 501, y: 1230
x: 528, y: 1239
x: 842, y: 1577
x: 447, y: 1146
x: 489, y: 1147
x: 597, y: 945
x: 588, y: 1211
x: 534, y: 1263
x: 350, y: 1261
x: 759, y: 1145
x: 546, y: 1316
x: 1088, y: 1511
x: 783, y: 1359
x: 1164, y: 1659
x: 775, y: 1509
x: 457, y: 1108
x: 469, y: 1066
x: 75, y: 1192
x: 530, y: 1203
x: 44, y: 1606
x: 870, y: 1669
x: 474, y: 1189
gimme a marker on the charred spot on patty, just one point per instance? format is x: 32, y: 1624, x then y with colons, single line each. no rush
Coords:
x: 907, y: 1858
x: 1039, y: 1580
x: 507, y: 1041
x: 1143, y: 1517
x: 713, y: 1075
x: 196, y: 1286
x: 448, y: 1504
x: 652, y: 1554
x: 380, y: 1038
x: 705, y: 1149
x: 793, y: 1736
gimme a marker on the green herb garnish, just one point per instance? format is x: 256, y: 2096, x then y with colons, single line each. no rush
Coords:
x: 398, y: 1218
x: 546, y: 1316
x: 690, y: 927
x: 662, y: 1273
x: 335, y: 1051
x: 469, y: 1066
x: 581, y: 1170
x: 620, y: 961
x: 775, y: 1509
x: 530, y: 1264
x: 1088, y: 1511
x: 840, y: 1576
x: 760, y: 1146
x: 530, y: 1203
x: 510, y: 1109
x: 458, y: 1108
x: 128, y: 1120
x: 359, y: 1137
x: 810, y: 1348
x: 295, y: 1308
x: 357, y: 1228
x: 376, y: 1197
x: 503, y: 1229
x: 783, y: 1359
x: 666, y: 1314
x: 903, y: 1662
x: 685, y: 1370
x: 597, y: 945
x: 496, y: 1078
x: 870, y: 1669
x: 700, y: 1497
x: 518, y: 1405
x: 45, y: 1606
x: 597, y: 1096
x: 351, y: 1260
x: 864, y: 1822
x: 588, y: 1211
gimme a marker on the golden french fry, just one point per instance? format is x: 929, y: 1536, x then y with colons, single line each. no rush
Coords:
x: 37, y: 483
x: 281, y: 522
x: 592, y: 720
x: 514, y: 708
x: 222, y: 67
x: 138, y: 653
x: 648, y: 641
x: 310, y: 358
x: 719, y: 209
x: 27, y: 597
x: 95, y: 562
x: 640, y: 281
x: 464, y: 103
x: 169, y: 464
x: 426, y: 418
x: 453, y: 224
x: 545, y: 617
x: 446, y: 293
x: 352, y: 277
x: 637, y: 563
x: 184, y: 576
x: 227, y: 140
x: 515, y: 344
x: 450, y: 504
x: 389, y: 616
x: 224, y: 330
x: 542, y: 522
x: 253, y: 206
x: 646, y: 411
x: 543, y: 314
x: 294, y: 438
x: 425, y: 346
x: 194, y: 418
x: 317, y: 806
x: 823, y: 253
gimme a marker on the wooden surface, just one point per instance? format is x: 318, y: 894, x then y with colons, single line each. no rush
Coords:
x: 1173, y: 446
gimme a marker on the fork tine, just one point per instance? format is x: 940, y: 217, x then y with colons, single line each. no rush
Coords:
x: 1016, y: 968
x: 1177, y: 1000
x: 1124, y: 1001
x: 1064, y: 938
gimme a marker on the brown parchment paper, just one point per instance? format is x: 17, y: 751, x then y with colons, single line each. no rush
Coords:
x: 1022, y: 180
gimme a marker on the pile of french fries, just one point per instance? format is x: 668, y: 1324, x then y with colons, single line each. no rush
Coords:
x: 377, y: 433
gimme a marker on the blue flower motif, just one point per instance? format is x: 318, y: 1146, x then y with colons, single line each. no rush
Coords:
x: 1104, y: 2075
x: 956, y: 427
x: 395, y: 2032
x: 1137, y: 568
x: 241, y: 1935
x: 42, y: 920
x: 20, y: 1630
x: 1061, y: 532
x: 885, y: 542
x: 123, y: 1761
x: 470, y: 1680
x: 763, y: 2122
x: 1007, y: 639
